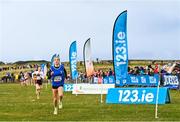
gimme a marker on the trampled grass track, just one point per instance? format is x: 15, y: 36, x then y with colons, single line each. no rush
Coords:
x: 19, y: 103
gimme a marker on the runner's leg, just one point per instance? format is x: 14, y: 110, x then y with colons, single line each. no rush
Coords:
x: 60, y: 95
x: 55, y: 99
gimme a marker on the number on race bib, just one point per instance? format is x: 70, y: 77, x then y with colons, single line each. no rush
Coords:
x: 57, y: 78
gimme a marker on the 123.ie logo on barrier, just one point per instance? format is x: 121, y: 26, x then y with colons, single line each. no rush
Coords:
x: 135, y: 96
x: 146, y: 95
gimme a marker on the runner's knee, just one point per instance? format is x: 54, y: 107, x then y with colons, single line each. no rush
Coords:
x: 60, y: 95
x: 55, y: 98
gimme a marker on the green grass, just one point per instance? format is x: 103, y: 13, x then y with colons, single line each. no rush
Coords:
x: 19, y: 103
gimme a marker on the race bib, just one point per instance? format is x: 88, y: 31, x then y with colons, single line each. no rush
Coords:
x: 57, y: 79
x: 38, y: 78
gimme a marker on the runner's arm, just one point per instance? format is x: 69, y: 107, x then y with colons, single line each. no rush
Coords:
x: 65, y: 73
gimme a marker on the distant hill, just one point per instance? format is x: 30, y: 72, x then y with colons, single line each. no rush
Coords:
x: 131, y: 62
x: 31, y: 62
x: 2, y: 63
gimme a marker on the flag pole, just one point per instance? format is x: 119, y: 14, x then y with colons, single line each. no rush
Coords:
x: 101, y: 91
x: 157, y: 98
x: 76, y: 85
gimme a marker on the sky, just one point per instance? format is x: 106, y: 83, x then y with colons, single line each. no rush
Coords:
x: 36, y: 29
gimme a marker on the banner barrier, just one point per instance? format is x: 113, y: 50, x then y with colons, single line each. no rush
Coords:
x: 137, y: 95
x: 68, y: 87
x: 139, y: 80
x: 91, y: 88
x: 142, y: 80
x: 171, y: 81
x: 109, y: 80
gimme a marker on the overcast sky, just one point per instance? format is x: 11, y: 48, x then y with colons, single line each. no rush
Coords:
x: 36, y: 29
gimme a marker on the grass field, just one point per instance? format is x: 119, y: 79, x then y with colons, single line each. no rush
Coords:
x: 19, y: 103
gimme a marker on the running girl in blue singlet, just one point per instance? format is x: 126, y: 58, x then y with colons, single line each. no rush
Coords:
x: 58, y: 76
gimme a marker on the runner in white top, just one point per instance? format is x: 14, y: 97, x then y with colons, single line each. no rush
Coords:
x: 38, y: 77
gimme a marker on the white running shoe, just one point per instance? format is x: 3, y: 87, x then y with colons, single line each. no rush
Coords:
x: 60, y: 105
x: 55, y: 111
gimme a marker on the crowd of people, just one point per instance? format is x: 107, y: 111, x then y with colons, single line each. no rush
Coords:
x: 18, y: 77
x: 97, y: 74
x: 27, y: 66
x: 9, y: 77
x: 26, y: 77
x: 156, y: 69
x: 169, y: 69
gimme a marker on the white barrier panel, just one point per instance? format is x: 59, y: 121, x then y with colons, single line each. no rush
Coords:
x: 92, y: 88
